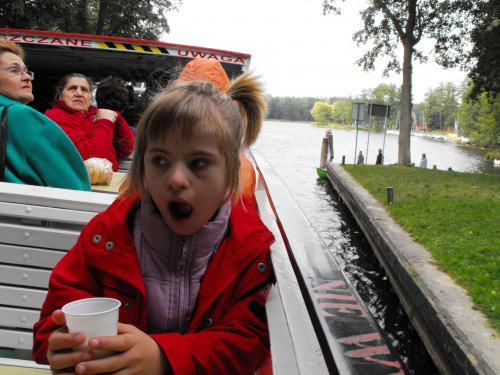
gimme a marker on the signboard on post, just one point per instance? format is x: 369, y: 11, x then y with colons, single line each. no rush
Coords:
x: 379, y: 110
x: 358, y: 114
x: 358, y: 111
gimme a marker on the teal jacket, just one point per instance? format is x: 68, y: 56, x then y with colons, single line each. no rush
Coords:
x: 39, y: 152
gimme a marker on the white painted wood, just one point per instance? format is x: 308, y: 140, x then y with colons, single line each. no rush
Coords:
x: 124, y: 165
x: 11, y: 366
x: 24, y: 276
x: 34, y: 236
x: 22, y: 297
x: 27, y: 211
x: 294, y: 346
x: 38, y: 225
x: 16, y: 339
x: 279, y: 336
x: 53, y: 197
x: 30, y: 256
x: 14, y: 317
x: 18, y: 363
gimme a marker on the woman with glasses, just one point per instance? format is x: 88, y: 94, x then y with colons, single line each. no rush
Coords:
x: 38, y: 151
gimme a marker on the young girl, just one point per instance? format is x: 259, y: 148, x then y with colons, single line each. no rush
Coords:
x: 186, y: 255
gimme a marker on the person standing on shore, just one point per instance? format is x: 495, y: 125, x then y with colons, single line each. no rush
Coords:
x: 379, y: 157
x: 361, y: 158
x: 423, y: 162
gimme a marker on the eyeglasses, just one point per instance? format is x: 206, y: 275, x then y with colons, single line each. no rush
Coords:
x: 18, y: 71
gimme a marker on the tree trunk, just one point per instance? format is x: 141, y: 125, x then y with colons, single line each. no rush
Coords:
x: 103, y: 7
x: 82, y: 17
x: 404, y: 155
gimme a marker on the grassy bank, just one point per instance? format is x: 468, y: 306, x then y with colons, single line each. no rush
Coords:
x: 456, y: 216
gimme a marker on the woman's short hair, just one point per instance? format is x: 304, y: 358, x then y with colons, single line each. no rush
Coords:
x: 8, y: 46
x: 64, y: 80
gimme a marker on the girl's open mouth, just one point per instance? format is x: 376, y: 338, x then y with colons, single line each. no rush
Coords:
x: 180, y: 211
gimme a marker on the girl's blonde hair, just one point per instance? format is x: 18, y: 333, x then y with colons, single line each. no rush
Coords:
x: 199, y: 109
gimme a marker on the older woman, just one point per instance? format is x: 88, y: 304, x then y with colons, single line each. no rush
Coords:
x: 100, y: 133
x: 38, y: 151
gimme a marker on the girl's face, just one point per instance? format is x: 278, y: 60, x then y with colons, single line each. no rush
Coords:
x: 76, y: 94
x: 186, y: 179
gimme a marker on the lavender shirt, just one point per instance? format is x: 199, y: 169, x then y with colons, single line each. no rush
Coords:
x: 172, y: 266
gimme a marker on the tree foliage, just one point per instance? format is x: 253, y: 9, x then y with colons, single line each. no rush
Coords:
x: 485, y: 54
x: 322, y: 112
x: 291, y: 108
x: 143, y: 19
x: 440, y: 106
x: 390, y: 24
x: 341, y: 111
x: 480, y: 119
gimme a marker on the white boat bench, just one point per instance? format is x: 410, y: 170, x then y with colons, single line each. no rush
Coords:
x: 124, y: 164
x: 38, y: 225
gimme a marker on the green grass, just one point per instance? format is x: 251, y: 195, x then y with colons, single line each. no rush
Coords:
x: 456, y: 216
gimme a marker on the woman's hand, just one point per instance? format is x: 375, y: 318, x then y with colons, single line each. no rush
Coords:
x: 137, y: 353
x: 60, y: 355
x: 106, y: 114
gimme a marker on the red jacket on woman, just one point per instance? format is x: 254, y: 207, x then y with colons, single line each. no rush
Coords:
x: 94, y: 139
x: 228, y: 333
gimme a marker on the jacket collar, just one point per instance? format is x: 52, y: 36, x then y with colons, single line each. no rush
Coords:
x: 249, y: 240
x: 59, y: 104
x: 4, y: 101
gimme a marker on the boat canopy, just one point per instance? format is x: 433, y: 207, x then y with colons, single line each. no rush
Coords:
x: 52, y: 55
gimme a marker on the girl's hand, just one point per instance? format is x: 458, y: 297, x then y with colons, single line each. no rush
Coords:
x: 60, y: 355
x: 137, y: 353
x: 107, y: 114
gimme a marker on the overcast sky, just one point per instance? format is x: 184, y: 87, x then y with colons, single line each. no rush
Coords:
x: 298, y: 51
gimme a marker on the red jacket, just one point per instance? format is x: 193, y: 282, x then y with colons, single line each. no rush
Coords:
x: 94, y: 139
x: 228, y: 333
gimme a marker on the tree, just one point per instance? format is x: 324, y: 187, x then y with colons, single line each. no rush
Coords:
x: 322, y: 112
x: 393, y: 23
x: 480, y: 119
x: 341, y: 111
x: 143, y: 19
x: 485, y: 74
x: 441, y: 105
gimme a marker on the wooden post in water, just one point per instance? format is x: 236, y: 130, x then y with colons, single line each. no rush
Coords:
x: 330, y: 142
x: 324, y: 151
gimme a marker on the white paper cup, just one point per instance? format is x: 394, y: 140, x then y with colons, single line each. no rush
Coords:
x: 93, y: 317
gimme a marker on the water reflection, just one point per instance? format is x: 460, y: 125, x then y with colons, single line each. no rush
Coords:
x: 293, y: 149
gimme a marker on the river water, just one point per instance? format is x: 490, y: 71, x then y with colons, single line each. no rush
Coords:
x: 293, y: 149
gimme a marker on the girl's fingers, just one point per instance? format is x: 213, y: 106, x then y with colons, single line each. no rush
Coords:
x: 67, y: 359
x: 109, y: 364
x: 59, y: 318
x: 126, y: 338
x: 61, y: 339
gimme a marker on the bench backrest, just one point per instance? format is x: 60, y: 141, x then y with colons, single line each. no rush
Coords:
x: 38, y: 225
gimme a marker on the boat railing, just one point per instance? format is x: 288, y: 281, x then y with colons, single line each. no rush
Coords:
x: 328, y: 327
